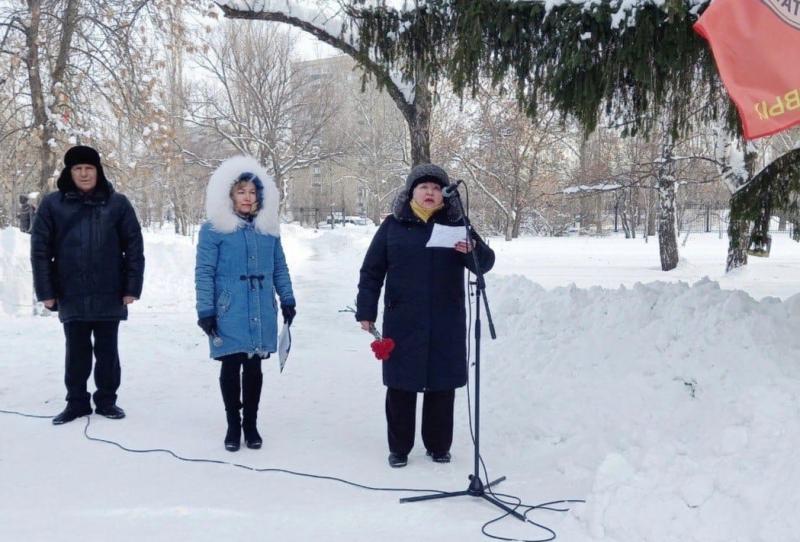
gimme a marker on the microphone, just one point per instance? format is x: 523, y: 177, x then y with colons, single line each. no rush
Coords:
x: 451, y: 189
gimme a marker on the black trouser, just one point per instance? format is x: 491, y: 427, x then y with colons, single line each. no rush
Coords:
x: 79, y: 362
x: 241, y: 376
x: 437, y: 420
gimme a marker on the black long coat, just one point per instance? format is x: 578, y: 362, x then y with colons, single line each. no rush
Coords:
x: 424, y: 307
x: 87, y: 252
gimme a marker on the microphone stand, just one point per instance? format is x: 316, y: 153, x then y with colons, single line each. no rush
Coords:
x: 477, y: 488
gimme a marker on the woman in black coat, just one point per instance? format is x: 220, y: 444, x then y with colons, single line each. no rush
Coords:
x: 424, y: 312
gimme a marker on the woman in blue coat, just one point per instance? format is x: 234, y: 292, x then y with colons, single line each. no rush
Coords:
x: 240, y: 267
x: 423, y: 312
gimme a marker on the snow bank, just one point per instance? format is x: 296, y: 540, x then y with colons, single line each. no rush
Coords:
x: 16, y: 283
x: 678, y: 403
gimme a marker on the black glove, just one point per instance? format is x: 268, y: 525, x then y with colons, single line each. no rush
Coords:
x: 289, y: 312
x: 208, y: 325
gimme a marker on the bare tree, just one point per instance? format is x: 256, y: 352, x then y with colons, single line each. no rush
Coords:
x: 515, y: 161
x: 375, y: 143
x: 258, y: 102
x: 414, y: 99
x: 16, y: 142
x: 71, y: 49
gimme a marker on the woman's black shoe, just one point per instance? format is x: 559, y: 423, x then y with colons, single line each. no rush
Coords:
x: 70, y: 413
x: 233, y: 439
x: 398, y: 460
x: 112, y: 412
x: 439, y: 457
x: 251, y: 437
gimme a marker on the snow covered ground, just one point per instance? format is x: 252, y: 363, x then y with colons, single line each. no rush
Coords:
x: 672, y: 407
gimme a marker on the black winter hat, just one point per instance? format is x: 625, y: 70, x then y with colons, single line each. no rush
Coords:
x: 426, y: 173
x: 82, y: 154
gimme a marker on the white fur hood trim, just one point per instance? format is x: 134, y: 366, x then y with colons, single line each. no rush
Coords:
x: 219, y: 206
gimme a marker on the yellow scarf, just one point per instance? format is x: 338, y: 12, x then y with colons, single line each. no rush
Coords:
x: 423, y: 213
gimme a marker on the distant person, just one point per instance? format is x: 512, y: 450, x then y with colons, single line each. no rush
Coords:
x: 240, y: 267
x: 88, y: 264
x: 424, y: 312
x: 25, y: 213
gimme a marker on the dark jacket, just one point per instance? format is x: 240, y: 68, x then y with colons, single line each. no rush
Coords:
x: 87, y: 251
x: 424, y: 308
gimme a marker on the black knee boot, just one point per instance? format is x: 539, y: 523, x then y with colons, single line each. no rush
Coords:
x: 230, y: 396
x: 251, y: 395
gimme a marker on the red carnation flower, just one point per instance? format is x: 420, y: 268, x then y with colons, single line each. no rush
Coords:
x: 381, y: 347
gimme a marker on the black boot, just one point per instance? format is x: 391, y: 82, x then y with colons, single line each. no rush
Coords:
x: 397, y: 461
x: 112, y: 412
x: 251, y: 395
x: 72, y: 412
x: 439, y: 457
x: 230, y: 396
x: 233, y: 437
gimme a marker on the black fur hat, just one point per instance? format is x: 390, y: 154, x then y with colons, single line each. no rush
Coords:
x: 426, y: 173
x: 421, y: 174
x: 81, y: 154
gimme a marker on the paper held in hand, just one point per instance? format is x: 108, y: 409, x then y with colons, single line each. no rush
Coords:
x: 284, y: 345
x: 446, y: 236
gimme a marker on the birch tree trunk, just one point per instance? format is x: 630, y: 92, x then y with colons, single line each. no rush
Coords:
x: 667, y: 238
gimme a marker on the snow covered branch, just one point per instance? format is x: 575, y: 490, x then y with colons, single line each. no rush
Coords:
x: 305, y: 19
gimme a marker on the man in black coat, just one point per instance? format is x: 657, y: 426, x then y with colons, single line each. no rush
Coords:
x: 88, y: 264
x: 424, y: 311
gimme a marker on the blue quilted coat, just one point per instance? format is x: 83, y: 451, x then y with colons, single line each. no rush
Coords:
x: 241, y: 267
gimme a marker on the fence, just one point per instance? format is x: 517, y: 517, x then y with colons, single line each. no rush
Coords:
x: 690, y: 218
x: 698, y: 218
x: 319, y: 217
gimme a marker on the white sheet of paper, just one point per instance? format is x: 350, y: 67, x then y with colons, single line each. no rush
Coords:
x: 284, y: 345
x: 446, y: 236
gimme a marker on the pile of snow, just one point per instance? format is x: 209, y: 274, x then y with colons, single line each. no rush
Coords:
x: 678, y: 404
x: 16, y: 282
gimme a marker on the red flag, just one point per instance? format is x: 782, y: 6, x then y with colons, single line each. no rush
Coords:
x: 756, y: 45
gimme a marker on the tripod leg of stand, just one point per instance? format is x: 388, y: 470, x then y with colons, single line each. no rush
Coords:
x: 471, y: 493
x: 476, y: 489
x: 490, y: 484
x: 434, y: 496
